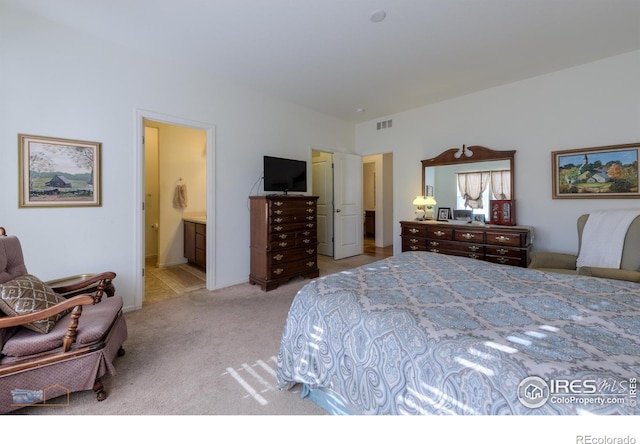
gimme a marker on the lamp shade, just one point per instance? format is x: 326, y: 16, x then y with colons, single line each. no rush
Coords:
x: 420, y: 200
x: 429, y: 201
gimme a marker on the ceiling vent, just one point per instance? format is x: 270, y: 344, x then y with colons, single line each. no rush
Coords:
x: 384, y: 124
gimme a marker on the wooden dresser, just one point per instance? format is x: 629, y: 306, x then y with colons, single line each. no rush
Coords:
x: 284, y: 239
x: 494, y: 243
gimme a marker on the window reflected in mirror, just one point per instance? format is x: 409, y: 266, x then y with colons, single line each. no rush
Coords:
x: 470, y: 186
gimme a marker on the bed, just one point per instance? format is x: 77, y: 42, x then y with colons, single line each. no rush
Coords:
x: 422, y: 333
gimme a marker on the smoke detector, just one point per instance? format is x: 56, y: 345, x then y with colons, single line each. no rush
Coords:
x: 377, y: 16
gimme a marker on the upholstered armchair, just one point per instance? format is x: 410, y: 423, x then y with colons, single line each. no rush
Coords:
x: 57, y: 337
x: 629, y: 269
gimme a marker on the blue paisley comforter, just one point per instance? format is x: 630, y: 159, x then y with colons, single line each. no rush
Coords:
x: 424, y: 333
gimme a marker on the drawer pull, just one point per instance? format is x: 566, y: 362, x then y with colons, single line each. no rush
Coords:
x: 434, y: 243
x: 278, y: 228
x: 311, y: 217
x: 278, y: 257
x: 474, y: 256
x: 310, y: 264
x: 503, y: 260
x: 310, y: 202
x: 468, y: 236
x: 434, y: 250
x: 278, y: 203
x: 311, y: 251
x: 502, y: 251
x: 413, y: 230
x: 278, y: 211
x: 413, y: 240
x: 278, y: 271
x: 283, y: 244
x: 278, y: 220
x: 306, y: 233
x: 311, y: 210
x: 306, y: 241
x: 310, y: 225
x: 503, y: 238
x: 439, y: 233
x: 413, y: 247
x: 474, y: 248
x: 283, y: 236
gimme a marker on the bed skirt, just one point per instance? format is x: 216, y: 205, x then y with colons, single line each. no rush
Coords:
x: 331, y: 402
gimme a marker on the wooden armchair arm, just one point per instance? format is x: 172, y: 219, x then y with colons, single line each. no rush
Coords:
x: 14, y: 321
x: 76, y: 285
x: 75, y: 302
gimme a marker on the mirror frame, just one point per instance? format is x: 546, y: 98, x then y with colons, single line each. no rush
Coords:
x: 479, y: 154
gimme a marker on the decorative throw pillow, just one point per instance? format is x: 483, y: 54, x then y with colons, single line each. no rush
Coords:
x: 28, y: 294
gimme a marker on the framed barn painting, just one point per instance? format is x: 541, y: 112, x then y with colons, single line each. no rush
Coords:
x: 596, y: 173
x: 58, y: 172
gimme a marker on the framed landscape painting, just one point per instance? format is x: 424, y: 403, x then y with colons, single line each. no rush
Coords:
x: 58, y: 172
x: 599, y: 172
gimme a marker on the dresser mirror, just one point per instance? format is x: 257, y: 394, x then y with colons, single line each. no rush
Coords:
x: 470, y: 168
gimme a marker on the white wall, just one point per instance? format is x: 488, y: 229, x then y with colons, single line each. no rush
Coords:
x: 60, y: 83
x: 182, y: 161
x: 590, y: 105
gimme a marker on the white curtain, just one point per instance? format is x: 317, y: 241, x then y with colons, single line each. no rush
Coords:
x: 501, y: 184
x: 472, y: 186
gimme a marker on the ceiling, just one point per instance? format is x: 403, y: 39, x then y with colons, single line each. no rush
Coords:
x: 330, y: 56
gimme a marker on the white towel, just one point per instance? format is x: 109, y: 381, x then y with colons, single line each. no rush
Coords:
x: 603, y: 238
x: 180, y: 196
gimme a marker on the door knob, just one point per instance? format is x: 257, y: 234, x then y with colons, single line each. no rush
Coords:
x: 338, y: 210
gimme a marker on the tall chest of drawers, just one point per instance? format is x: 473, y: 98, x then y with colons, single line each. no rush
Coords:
x: 494, y: 243
x: 284, y: 239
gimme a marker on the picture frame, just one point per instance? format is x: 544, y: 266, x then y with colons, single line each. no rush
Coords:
x: 428, y: 190
x: 501, y: 212
x: 56, y: 172
x: 603, y: 172
x: 478, y: 219
x: 444, y: 213
x: 462, y: 214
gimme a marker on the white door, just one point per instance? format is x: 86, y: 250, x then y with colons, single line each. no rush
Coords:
x: 347, y: 191
x: 322, y: 179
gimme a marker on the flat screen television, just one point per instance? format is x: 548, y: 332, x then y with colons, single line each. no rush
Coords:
x: 284, y: 175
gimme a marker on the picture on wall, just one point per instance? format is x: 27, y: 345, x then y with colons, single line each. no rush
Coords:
x: 599, y: 172
x: 57, y: 172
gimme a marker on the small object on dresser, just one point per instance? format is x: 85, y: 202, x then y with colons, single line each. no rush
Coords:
x: 444, y: 213
x: 502, y: 212
x: 420, y: 202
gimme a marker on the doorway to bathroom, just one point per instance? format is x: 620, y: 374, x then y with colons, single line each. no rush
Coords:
x: 177, y: 186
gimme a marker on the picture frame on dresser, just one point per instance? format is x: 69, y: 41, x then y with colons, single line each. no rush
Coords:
x: 502, y: 212
x: 444, y: 213
x: 478, y: 218
x: 462, y: 214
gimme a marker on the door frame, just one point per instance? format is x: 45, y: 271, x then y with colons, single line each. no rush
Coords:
x: 139, y: 171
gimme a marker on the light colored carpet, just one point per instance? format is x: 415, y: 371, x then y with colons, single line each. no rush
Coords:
x: 203, y: 353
